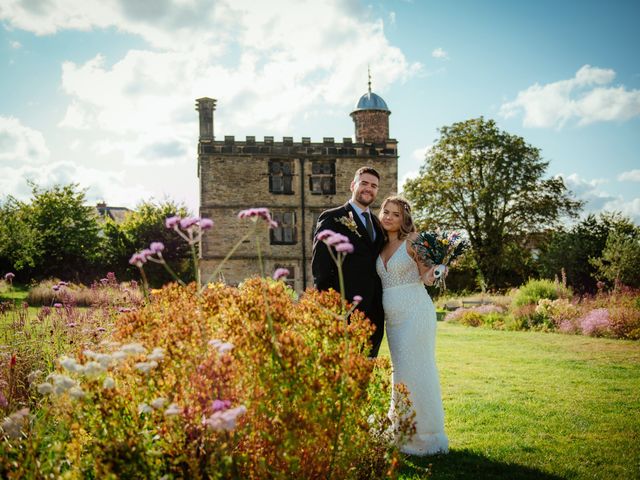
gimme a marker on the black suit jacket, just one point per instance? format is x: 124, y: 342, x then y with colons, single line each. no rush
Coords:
x: 358, y: 268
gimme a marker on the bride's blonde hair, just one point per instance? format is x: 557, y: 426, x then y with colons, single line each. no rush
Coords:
x: 406, y: 225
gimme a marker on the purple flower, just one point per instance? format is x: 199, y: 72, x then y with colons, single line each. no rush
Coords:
x: 56, y: 288
x: 104, y: 281
x: 344, y: 247
x: 218, y: 405
x: 256, y: 213
x: 57, y: 305
x: 9, y: 276
x: 340, y: 242
x: 357, y: 299
x: 138, y: 259
x: 188, y: 222
x: 156, y: 247
x: 595, y: 323
x: 206, y: 224
x: 280, y: 273
x: 172, y: 222
x: 325, y: 234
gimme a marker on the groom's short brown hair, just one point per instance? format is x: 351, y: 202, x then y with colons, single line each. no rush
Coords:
x: 366, y: 169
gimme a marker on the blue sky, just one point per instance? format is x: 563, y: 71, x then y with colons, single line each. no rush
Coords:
x: 102, y: 92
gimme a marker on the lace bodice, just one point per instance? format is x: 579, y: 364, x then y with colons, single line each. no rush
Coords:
x: 401, y: 269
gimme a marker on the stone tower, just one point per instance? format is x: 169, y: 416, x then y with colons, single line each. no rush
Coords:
x: 295, y: 180
x: 371, y: 118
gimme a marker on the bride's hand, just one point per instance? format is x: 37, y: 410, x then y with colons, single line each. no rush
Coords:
x: 428, y: 277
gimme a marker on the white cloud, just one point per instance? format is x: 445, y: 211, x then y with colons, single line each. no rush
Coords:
x: 407, y: 176
x: 630, y: 176
x: 440, y: 53
x: 20, y: 144
x: 15, y: 44
x: 585, y: 98
x: 598, y: 199
x: 419, y: 154
x: 268, y: 64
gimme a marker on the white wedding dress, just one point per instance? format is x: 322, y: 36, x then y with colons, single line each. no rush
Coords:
x: 410, y: 319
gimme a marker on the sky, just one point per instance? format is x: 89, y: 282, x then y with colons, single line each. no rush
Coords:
x: 102, y: 92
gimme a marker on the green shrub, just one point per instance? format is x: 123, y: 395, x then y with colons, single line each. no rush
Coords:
x: 305, y: 399
x: 535, y: 290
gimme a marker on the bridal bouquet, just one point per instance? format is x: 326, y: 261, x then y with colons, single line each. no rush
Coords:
x: 440, y: 249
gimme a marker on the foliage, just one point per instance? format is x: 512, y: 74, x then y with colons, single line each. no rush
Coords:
x: 574, y: 250
x: 220, y: 396
x: 139, y: 228
x: 534, y: 290
x: 490, y: 184
x: 620, y: 261
x: 54, y: 234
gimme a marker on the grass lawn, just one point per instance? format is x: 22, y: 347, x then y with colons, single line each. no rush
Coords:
x: 535, y: 405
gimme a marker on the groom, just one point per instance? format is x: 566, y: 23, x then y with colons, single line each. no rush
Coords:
x: 355, y: 220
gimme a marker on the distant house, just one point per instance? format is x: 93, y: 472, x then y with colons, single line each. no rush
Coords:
x: 117, y: 214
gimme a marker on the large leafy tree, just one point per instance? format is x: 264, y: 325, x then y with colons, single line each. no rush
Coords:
x: 139, y: 228
x: 572, y: 251
x: 55, y: 234
x: 490, y: 184
x: 620, y: 260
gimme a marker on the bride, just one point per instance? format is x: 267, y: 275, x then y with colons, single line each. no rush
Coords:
x: 410, y: 319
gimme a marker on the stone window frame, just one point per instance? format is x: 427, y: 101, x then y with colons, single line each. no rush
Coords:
x: 322, y: 180
x: 286, y: 233
x: 281, y: 177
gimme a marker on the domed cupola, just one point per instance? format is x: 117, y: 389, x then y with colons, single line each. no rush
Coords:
x: 371, y: 118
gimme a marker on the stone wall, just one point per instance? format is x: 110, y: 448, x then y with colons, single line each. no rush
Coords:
x: 372, y: 126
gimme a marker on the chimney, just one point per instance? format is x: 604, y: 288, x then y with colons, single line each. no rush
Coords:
x: 206, y: 106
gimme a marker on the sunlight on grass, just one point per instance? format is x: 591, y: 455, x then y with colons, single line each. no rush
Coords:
x: 536, y: 405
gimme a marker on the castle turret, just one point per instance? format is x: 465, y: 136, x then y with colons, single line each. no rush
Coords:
x: 371, y: 118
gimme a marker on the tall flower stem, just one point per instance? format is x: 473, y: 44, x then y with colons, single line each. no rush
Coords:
x: 194, y: 255
x: 227, y: 257
x: 272, y: 332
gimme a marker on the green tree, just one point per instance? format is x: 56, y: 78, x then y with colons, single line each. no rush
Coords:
x: 53, y: 235
x: 144, y: 225
x: 572, y: 250
x: 490, y: 184
x: 620, y: 261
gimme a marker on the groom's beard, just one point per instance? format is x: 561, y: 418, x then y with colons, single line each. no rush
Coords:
x: 365, y: 201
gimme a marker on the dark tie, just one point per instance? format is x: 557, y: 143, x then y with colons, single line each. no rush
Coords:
x: 368, y: 224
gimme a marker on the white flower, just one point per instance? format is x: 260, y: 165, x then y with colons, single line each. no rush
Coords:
x: 144, y: 408
x: 104, y: 359
x: 158, y: 403
x: 33, y: 375
x: 12, y: 425
x: 224, y: 420
x: 133, y: 349
x: 157, y: 354
x: 146, y: 367
x: 76, y: 392
x: 61, y: 383
x: 119, y: 356
x: 221, y: 346
x: 108, y: 383
x: 45, y: 388
x: 70, y: 364
x: 173, y: 409
x: 93, y: 369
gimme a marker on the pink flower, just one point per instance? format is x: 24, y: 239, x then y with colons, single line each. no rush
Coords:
x: 595, y: 323
x: 57, y: 305
x: 206, y: 224
x: 172, y: 222
x: 344, y: 247
x: 280, y: 273
x: 256, y: 213
x: 156, y: 247
x: 189, y: 222
x: 218, y: 405
x: 357, y: 299
x: 340, y: 242
x: 138, y: 259
x: 9, y: 276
